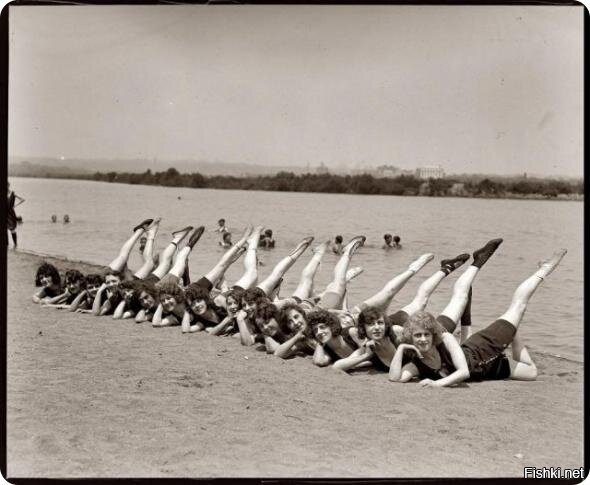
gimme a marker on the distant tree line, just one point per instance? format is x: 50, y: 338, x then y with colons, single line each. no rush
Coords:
x: 352, y: 184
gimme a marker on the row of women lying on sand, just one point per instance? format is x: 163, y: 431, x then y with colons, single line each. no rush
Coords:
x: 410, y: 343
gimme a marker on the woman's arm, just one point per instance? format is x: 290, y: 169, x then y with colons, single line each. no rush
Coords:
x: 320, y: 357
x: 459, y: 361
x: 222, y: 326
x: 98, y: 299
x: 359, y: 356
x: 77, y: 301
x: 397, y: 373
x: 246, y: 337
x: 56, y: 299
x: 186, y: 323
x: 141, y: 316
x: 37, y: 297
x: 118, y: 313
x: 287, y: 348
x: 271, y: 344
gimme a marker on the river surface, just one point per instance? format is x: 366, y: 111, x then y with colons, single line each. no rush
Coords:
x: 103, y: 214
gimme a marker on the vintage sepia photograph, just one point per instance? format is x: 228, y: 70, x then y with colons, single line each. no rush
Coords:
x: 295, y: 241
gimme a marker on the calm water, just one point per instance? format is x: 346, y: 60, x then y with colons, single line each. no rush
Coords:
x: 102, y: 216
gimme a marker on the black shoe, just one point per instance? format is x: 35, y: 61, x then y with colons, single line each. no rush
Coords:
x: 196, y: 236
x: 450, y: 265
x: 144, y: 225
x: 482, y: 255
x: 187, y: 229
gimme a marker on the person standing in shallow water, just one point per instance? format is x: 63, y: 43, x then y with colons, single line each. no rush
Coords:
x: 12, y: 218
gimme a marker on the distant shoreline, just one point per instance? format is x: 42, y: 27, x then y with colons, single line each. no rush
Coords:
x: 403, y: 185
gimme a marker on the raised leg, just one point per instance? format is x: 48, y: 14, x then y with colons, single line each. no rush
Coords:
x: 382, y: 299
x: 168, y: 253
x: 305, y: 287
x: 250, y: 276
x: 229, y: 257
x: 119, y: 263
x: 522, y: 367
x: 148, y: 251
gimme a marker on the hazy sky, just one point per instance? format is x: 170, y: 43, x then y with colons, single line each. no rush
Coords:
x: 476, y: 89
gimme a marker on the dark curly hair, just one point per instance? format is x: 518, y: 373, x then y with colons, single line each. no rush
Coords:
x: 93, y: 280
x: 135, y: 285
x: 112, y: 272
x: 425, y: 321
x: 322, y: 316
x: 284, y: 314
x: 47, y: 269
x: 73, y: 275
x: 267, y: 311
x: 236, y: 294
x: 196, y: 292
x: 369, y: 315
x: 254, y: 295
x: 171, y: 289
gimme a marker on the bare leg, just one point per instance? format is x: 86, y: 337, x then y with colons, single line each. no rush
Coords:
x: 272, y: 280
x: 522, y: 367
x: 119, y: 263
x: 525, y: 291
x: 334, y: 293
x: 229, y: 257
x: 148, y: 251
x: 168, y: 253
x: 382, y: 299
x: 250, y: 276
x: 180, y: 264
x: 305, y: 287
x: 460, y: 297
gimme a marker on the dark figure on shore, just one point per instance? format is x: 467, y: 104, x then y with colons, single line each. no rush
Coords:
x: 12, y: 218
x: 53, y: 218
x: 66, y: 219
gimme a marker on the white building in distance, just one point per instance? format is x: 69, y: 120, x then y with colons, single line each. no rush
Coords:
x: 431, y: 171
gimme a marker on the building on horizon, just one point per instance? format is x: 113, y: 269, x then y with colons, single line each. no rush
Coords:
x: 430, y: 172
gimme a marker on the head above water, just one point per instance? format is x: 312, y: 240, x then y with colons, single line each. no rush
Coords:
x: 388, y: 237
x: 221, y: 222
x: 396, y: 239
x: 338, y: 239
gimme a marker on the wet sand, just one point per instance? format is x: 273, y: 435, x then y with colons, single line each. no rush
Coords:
x: 95, y: 397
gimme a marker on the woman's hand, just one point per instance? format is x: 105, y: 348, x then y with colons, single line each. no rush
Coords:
x: 411, y: 347
x: 429, y: 383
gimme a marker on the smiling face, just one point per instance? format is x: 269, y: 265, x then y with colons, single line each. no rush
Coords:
x: 168, y: 302
x: 199, y: 306
x: 322, y: 332
x: 296, y: 320
x: 268, y: 326
x: 250, y: 308
x: 422, y: 339
x: 92, y: 289
x: 232, y: 305
x: 375, y: 329
x: 46, y: 281
x: 74, y: 287
x: 146, y: 300
x: 111, y: 281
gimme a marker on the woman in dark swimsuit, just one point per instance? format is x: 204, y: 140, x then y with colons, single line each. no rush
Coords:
x: 441, y: 361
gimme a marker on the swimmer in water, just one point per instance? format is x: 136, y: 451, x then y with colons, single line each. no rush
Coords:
x: 337, y: 245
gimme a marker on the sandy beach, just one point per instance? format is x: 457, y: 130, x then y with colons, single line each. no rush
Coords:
x: 94, y: 397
